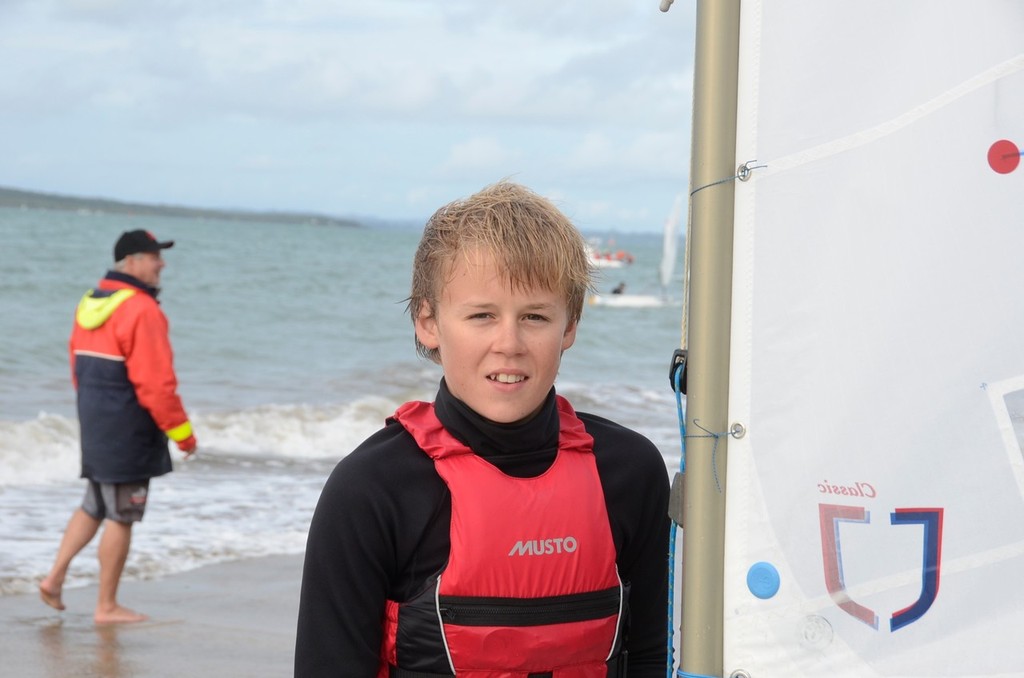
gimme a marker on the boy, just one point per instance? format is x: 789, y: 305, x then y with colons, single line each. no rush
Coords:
x: 493, y: 532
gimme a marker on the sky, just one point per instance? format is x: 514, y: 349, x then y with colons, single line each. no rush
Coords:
x: 371, y: 108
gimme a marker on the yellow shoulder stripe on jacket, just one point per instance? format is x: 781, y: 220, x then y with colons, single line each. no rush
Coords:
x: 94, y: 311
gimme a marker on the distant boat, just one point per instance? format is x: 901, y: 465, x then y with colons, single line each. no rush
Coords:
x: 628, y: 300
x: 606, y: 258
x: 669, y: 249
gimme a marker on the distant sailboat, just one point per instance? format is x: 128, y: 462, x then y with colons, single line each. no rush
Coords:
x: 606, y: 258
x: 669, y: 252
x: 670, y: 245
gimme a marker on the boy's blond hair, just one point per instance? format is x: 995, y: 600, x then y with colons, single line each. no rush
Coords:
x: 534, y: 245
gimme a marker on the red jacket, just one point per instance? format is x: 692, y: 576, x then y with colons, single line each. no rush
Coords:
x: 122, y: 367
x: 531, y: 584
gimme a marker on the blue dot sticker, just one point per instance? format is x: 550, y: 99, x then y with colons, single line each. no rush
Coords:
x: 763, y: 580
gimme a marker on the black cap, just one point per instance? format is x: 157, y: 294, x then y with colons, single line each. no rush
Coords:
x: 134, y: 242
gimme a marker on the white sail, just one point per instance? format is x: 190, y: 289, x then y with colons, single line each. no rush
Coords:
x: 670, y: 244
x: 877, y: 349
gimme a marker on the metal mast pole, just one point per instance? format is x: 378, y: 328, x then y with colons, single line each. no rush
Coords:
x: 713, y: 159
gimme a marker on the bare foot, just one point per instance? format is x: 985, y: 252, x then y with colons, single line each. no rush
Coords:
x: 50, y: 594
x: 118, y: 615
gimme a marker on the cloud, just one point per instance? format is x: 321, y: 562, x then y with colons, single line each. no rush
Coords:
x: 480, y: 153
x: 344, y: 102
x: 315, y: 58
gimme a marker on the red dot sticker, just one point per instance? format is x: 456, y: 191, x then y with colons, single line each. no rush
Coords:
x: 1004, y: 156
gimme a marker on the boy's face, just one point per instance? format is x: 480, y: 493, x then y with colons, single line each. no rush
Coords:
x: 500, y: 348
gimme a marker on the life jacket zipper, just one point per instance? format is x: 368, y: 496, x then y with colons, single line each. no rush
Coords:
x: 493, y: 611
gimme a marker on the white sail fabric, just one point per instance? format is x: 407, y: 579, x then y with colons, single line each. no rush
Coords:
x: 670, y: 243
x: 878, y: 341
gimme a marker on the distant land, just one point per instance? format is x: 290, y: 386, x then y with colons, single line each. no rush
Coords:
x: 10, y: 197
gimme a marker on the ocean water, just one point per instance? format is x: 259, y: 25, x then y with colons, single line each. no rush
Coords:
x: 291, y: 346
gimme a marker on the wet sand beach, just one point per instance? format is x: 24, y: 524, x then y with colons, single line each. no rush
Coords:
x: 228, y: 619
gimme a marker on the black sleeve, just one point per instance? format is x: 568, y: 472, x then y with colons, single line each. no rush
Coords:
x: 636, y: 486
x: 362, y: 550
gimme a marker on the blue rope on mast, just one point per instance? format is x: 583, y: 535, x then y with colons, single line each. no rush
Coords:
x: 681, y: 414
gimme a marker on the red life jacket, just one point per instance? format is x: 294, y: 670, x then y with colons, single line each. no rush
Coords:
x: 531, y: 587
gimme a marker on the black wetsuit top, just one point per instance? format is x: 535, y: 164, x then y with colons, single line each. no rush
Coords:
x: 381, y: 529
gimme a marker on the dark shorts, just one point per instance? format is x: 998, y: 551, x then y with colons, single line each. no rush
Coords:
x: 123, y: 502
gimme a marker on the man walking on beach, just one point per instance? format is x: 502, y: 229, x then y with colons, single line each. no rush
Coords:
x: 128, y: 406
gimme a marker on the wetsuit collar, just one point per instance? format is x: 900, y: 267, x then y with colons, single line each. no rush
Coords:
x: 534, y: 441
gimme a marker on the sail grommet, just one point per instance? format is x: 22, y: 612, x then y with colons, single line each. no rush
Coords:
x: 737, y: 430
x: 740, y: 673
x: 744, y: 171
x: 763, y: 580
